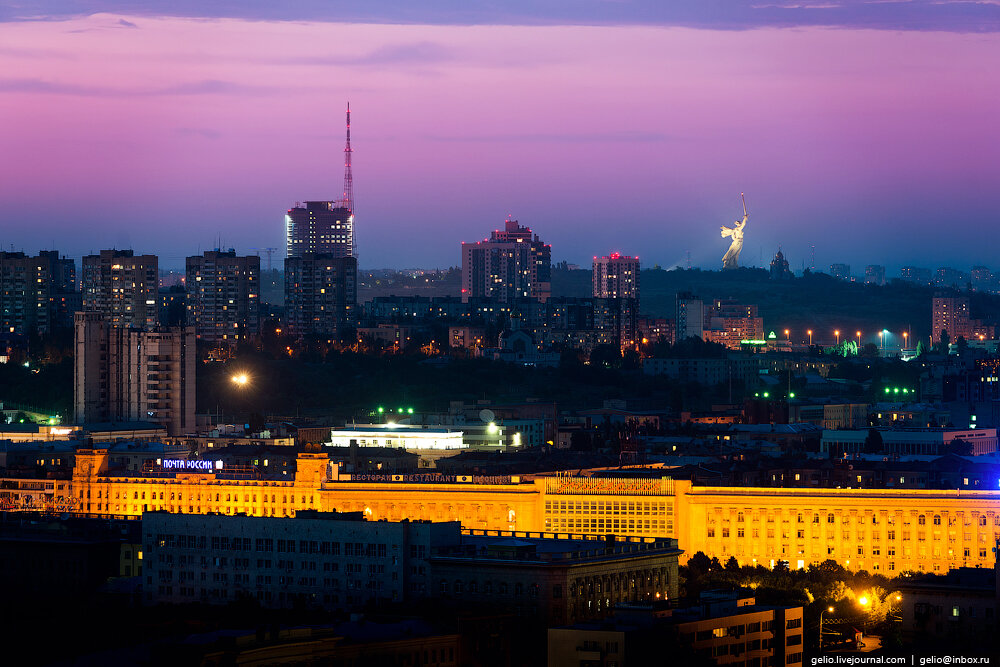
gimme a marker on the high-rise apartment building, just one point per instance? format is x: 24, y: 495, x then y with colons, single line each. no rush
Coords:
x: 949, y: 277
x: 512, y: 264
x: 690, y: 319
x: 874, y: 274
x: 616, y: 277
x: 321, y: 294
x: 915, y: 274
x: 730, y: 323
x: 122, y: 287
x: 223, y: 297
x: 840, y: 271
x: 325, y: 227
x: 37, y: 294
x: 951, y: 314
x: 982, y: 279
x: 127, y: 374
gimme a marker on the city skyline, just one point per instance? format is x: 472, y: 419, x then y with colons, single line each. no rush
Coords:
x: 862, y: 139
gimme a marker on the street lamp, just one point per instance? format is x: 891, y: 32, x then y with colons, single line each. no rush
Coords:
x: 241, y: 379
x: 825, y: 611
x: 786, y: 334
x: 836, y: 333
x: 881, y: 340
x: 810, y: 332
x: 906, y: 335
x: 864, y: 602
x: 858, y: 334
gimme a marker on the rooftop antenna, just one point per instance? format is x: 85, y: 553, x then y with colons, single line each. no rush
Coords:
x: 348, y: 176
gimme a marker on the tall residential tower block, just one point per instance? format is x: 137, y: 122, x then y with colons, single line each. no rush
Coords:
x: 223, y: 297
x: 321, y: 294
x: 512, y: 264
x: 128, y: 375
x: 37, y: 294
x: 122, y: 287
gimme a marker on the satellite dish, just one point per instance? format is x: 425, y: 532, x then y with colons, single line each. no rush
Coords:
x: 486, y: 415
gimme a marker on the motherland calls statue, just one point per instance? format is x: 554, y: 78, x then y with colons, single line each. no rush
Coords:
x: 731, y: 260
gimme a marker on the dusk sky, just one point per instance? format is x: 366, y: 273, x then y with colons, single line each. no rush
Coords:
x: 868, y: 129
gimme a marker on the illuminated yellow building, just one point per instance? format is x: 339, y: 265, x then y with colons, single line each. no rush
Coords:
x: 886, y: 531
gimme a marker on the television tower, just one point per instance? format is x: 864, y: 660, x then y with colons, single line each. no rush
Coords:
x: 348, y: 176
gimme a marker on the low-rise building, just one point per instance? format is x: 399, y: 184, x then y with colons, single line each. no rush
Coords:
x: 725, y: 628
x: 330, y: 560
x: 959, y: 608
x: 910, y: 441
x: 325, y: 560
x: 703, y: 371
x: 554, y: 579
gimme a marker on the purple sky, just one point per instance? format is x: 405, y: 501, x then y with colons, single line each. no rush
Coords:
x: 858, y: 129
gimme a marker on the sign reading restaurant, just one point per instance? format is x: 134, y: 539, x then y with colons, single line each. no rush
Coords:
x: 434, y: 478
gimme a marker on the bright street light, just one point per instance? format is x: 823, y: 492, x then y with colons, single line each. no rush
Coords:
x: 241, y: 379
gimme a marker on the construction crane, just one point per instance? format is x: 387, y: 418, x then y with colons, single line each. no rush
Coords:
x: 269, y: 252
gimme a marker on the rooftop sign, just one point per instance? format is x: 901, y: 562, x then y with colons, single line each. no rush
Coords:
x: 189, y: 466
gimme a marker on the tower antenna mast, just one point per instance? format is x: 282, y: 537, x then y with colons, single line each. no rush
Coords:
x: 348, y: 176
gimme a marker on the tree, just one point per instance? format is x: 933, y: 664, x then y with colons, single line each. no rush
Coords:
x: 608, y: 356
x: 960, y: 447
x: 873, y: 442
x: 944, y: 341
x: 699, y: 564
x: 962, y: 345
x: 732, y: 565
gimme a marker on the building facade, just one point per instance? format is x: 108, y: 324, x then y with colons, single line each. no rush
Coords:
x: 130, y: 375
x: 616, y: 277
x: 732, y: 324
x: 323, y: 227
x: 689, y: 321
x: 223, y: 297
x: 320, y: 560
x: 342, y: 561
x: 951, y: 314
x: 122, y: 287
x: 321, y: 294
x: 875, y: 274
x: 512, y: 264
x: 840, y: 271
x: 879, y: 530
x: 981, y: 441
x: 37, y: 294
